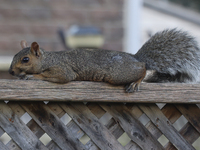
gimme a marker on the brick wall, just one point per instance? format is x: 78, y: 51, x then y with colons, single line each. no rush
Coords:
x: 38, y: 20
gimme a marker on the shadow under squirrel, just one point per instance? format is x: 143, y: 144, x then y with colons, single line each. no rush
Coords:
x: 173, y: 56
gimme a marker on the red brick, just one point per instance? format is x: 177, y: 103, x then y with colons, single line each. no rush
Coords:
x: 28, y: 29
x: 38, y: 21
x: 106, y: 16
x: 87, y: 3
x: 30, y: 14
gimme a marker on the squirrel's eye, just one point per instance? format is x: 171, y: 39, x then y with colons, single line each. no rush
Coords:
x: 25, y: 60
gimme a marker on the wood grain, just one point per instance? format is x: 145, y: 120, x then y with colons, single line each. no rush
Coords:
x: 14, y: 127
x: 51, y: 124
x: 135, y: 130
x: 86, y: 118
x: 165, y: 126
x: 191, y: 113
x: 79, y: 91
x: 90, y: 124
x: 3, y: 147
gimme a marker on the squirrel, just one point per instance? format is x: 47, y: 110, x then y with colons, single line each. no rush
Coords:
x: 173, y: 55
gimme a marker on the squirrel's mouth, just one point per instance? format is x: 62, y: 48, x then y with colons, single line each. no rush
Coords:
x: 21, y: 75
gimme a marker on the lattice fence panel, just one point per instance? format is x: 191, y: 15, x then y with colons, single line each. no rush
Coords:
x: 95, y: 126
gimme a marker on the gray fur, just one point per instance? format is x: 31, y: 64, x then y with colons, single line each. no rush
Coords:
x: 97, y: 65
x: 173, y: 54
x: 20, y: 55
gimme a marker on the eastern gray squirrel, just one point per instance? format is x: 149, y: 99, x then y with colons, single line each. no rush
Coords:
x: 172, y: 54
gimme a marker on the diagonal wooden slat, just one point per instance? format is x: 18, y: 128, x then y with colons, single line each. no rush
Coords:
x: 91, y: 146
x: 153, y: 130
x: 3, y: 147
x: 56, y: 109
x: 115, y: 128
x: 191, y: 113
x: 159, y: 119
x: 111, y: 125
x: 12, y: 145
x: 132, y: 146
x: 17, y: 109
x: 172, y: 113
x: 51, y: 124
x: 14, y: 127
x: 90, y: 124
x: 52, y: 146
x: 189, y: 133
x: 135, y: 130
x: 96, y: 109
x: 1, y: 132
x: 136, y: 112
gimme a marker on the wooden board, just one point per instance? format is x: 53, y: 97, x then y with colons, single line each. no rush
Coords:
x: 81, y: 91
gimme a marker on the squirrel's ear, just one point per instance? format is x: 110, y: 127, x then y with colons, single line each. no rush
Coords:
x: 35, y: 49
x: 23, y: 44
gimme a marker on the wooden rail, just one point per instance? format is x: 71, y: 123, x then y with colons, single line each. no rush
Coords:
x: 66, y: 120
x: 20, y: 90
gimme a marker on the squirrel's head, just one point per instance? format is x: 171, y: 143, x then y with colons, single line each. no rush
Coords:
x: 27, y: 61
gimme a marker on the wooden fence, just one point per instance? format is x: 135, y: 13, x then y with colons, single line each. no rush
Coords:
x: 93, y: 116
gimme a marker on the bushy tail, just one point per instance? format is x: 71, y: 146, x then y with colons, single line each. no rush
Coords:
x: 174, y: 55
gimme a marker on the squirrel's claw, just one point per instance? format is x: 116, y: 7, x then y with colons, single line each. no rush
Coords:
x: 132, y: 87
x: 28, y: 77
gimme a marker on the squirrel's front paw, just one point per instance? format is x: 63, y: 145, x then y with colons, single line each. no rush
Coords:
x: 29, y: 77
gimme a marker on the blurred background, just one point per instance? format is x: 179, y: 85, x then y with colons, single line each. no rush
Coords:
x: 122, y: 25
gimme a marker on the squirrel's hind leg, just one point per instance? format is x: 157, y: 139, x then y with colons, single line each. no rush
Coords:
x: 130, y: 88
x: 134, y: 86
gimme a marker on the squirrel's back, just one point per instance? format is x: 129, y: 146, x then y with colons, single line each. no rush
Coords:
x: 173, y: 54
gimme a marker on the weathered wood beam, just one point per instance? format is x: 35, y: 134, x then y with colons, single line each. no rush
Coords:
x: 27, y: 90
